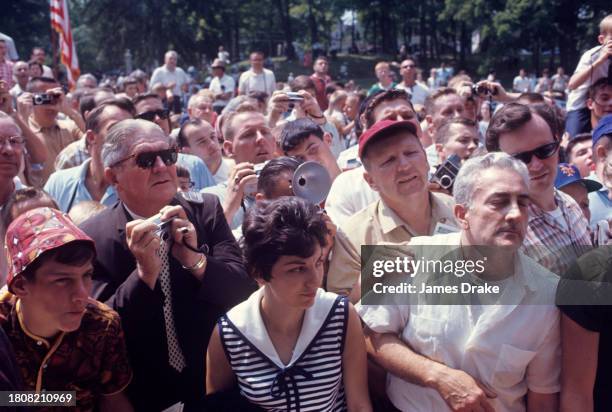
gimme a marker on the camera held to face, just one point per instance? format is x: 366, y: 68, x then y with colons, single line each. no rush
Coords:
x: 447, y: 172
x: 40, y: 99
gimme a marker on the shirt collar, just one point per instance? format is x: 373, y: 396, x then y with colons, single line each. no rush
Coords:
x: 390, y: 221
x: 39, y: 340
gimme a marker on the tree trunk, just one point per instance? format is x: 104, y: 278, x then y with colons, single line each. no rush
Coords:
x: 283, y: 11
x: 422, y: 31
x: 312, y: 23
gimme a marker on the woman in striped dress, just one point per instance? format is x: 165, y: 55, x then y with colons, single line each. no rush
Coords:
x: 291, y: 346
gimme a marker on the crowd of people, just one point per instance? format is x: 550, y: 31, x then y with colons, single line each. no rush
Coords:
x: 163, y: 251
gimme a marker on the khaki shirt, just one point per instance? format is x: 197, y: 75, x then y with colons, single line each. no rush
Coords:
x: 375, y: 224
x: 57, y: 137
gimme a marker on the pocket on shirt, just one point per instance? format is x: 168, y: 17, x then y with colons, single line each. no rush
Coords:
x: 511, y: 366
x: 425, y: 335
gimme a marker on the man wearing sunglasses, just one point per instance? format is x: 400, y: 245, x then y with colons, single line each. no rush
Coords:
x: 418, y: 93
x: 558, y: 231
x: 169, y: 282
x: 150, y: 107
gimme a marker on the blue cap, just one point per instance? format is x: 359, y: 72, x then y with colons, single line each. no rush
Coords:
x: 568, y: 174
x: 603, y: 128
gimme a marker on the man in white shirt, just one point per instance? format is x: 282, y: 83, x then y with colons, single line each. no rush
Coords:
x: 172, y: 77
x: 257, y: 78
x: 222, y: 85
x: 481, y: 356
x: 521, y: 83
x: 418, y: 93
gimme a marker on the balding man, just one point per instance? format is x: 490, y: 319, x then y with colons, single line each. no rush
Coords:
x: 172, y: 77
x: 168, y: 285
x: 21, y: 74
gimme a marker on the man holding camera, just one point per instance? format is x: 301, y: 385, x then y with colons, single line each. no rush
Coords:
x: 46, y: 99
x: 168, y: 266
x: 249, y: 142
x: 396, y: 167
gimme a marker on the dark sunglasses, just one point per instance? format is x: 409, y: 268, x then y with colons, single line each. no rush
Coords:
x: 150, y: 115
x: 146, y: 160
x: 542, y: 152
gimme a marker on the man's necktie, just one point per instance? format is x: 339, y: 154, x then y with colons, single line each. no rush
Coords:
x: 175, y: 354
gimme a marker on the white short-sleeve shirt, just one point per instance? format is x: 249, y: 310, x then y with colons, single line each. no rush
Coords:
x: 511, y: 348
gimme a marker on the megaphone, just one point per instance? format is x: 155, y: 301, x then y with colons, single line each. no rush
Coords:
x: 311, y: 181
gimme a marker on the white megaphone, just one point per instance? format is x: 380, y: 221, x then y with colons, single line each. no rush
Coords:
x: 311, y: 181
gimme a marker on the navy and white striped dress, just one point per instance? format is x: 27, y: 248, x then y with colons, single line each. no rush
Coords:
x: 312, y: 381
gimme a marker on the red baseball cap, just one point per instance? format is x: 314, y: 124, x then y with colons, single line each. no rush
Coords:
x: 382, y: 127
x: 35, y: 232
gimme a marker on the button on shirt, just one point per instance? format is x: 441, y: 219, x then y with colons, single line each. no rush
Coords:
x: 91, y: 360
x: 68, y: 188
x: 549, y: 242
x: 375, y: 224
x: 489, y: 342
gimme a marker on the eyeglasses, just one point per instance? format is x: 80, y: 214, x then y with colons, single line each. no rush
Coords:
x: 146, y: 160
x: 190, y: 184
x: 13, y: 141
x: 150, y: 115
x: 600, y: 100
x: 542, y: 152
x: 408, y: 66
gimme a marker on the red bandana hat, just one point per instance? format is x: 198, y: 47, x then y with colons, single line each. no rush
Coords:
x: 35, y: 232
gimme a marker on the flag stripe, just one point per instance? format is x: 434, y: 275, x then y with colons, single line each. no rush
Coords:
x: 60, y: 22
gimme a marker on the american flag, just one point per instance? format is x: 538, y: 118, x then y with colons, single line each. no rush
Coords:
x: 60, y: 22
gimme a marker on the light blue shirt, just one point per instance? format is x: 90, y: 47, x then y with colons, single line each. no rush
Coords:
x: 198, y: 171
x: 600, y: 206
x: 220, y: 191
x: 67, y: 187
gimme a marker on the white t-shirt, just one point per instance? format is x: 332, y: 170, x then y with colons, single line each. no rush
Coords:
x: 165, y: 76
x: 578, y: 96
x: 348, y: 195
x: 262, y: 82
x: 521, y: 84
x: 417, y: 92
x: 228, y: 83
x: 224, y: 170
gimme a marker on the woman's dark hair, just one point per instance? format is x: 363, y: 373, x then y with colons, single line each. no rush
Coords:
x: 75, y: 253
x: 23, y: 200
x: 288, y: 226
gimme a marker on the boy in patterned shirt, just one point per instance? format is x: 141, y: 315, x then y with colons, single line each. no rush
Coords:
x: 63, y: 340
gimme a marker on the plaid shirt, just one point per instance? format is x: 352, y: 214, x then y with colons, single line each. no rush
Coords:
x: 549, y: 243
x: 72, y: 155
x: 6, y: 72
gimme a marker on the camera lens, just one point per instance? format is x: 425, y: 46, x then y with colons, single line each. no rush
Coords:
x: 446, y: 181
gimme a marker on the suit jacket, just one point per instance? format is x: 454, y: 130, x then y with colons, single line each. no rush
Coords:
x: 197, y: 305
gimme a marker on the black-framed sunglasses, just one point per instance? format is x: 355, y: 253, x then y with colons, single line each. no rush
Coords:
x: 543, y: 152
x: 150, y: 115
x: 146, y: 160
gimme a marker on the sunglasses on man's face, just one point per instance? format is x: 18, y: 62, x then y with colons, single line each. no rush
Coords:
x: 146, y: 160
x: 150, y: 115
x: 542, y: 152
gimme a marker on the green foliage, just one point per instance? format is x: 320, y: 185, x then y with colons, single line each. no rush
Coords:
x: 512, y: 32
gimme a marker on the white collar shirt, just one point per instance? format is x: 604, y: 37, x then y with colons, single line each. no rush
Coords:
x: 511, y: 347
